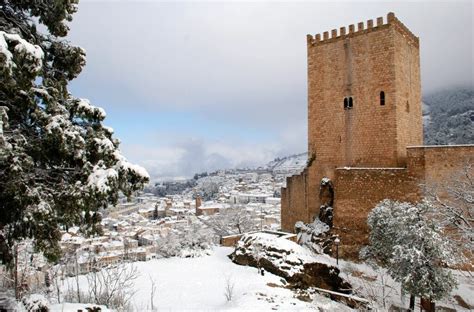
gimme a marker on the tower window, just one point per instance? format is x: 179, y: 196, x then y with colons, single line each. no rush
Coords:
x: 348, y: 102
x: 382, y: 98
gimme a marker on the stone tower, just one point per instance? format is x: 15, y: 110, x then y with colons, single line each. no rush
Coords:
x: 364, y: 108
x: 364, y: 98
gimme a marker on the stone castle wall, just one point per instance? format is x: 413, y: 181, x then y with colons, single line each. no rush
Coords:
x: 439, y: 164
x: 294, y: 196
x: 358, y: 190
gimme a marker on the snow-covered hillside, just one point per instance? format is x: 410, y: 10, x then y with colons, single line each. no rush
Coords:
x: 199, y: 284
x: 448, y: 117
x: 290, y: 164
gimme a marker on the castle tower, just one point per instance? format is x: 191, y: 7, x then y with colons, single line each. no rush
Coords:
x: 364, y: 109
x: 364, y: 95
x: 365, y: 132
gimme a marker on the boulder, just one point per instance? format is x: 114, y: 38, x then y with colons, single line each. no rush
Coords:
x: 297, y: 265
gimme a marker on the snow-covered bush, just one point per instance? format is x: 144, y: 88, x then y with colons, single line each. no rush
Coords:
x: 454, y: 203
x: 412, y: 247
x: 235, y: 220
x: 35, y: 303
x: 208, y: 186
x: 193, y: 241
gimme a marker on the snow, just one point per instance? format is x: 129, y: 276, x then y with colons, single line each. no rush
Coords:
x: 271, y: 241
x: 73, y: 307
x: 373, y: 283
x: 43, y: 207
x: 325, y: 181
x: 292, y: 164
x: 56, y: 122
x: 282, y: 252
x: 198, y: 284
x: 35, y: 302
x: 104, y: 145
x: 310, y: 230
x: 32, y: 53
x: 100, y: 178
x: 125, y: 165
x: 85, y: 106
x: 4, y: 50
x: 110, y: 130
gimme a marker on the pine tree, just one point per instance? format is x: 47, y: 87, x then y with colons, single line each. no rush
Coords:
x: 405, y: 240
x: 58, y: 163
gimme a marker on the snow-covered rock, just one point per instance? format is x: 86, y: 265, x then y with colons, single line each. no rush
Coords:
x: 297, y: 265
x: 316, y: 236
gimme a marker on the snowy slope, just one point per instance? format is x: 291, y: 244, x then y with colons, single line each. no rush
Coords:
x: 448, y: 117
x: 198, y: 284
x: 290, y: 164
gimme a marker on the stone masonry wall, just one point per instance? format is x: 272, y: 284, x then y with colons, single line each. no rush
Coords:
x: 293, y: 201
x: 407, y: 95
x: 439, y: 164
x: 358, y: 191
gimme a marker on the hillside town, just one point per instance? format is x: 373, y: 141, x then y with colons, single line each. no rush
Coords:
x: 139, y: 228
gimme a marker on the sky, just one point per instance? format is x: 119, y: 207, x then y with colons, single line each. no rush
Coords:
x: 193, y: 86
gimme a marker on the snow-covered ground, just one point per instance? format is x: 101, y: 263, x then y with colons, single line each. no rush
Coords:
x: 66, y: 307
x: 199, y: 284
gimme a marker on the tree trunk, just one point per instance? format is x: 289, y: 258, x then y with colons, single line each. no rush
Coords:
x: 427, y: 305
x: 77, y: 278
x: 412, y: 303
x: 17, y: 292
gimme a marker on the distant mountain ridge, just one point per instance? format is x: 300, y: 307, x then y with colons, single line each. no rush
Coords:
x: 448, y: 117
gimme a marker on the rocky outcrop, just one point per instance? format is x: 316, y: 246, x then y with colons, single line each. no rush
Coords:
x: 315, y: 236
x: 297, y: 265
x: 326, y: 198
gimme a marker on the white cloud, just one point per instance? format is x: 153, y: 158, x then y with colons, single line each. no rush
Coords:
x: 179, y: 157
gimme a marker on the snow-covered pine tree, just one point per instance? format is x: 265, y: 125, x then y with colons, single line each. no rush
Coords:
x: 58, y: 163
x: 404, y: 239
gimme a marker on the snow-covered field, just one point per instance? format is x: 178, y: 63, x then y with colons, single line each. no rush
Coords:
x: 184, y: 284
x: 199, y: 283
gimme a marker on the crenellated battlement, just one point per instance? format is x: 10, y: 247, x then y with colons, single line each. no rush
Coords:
x: 351, y: 31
